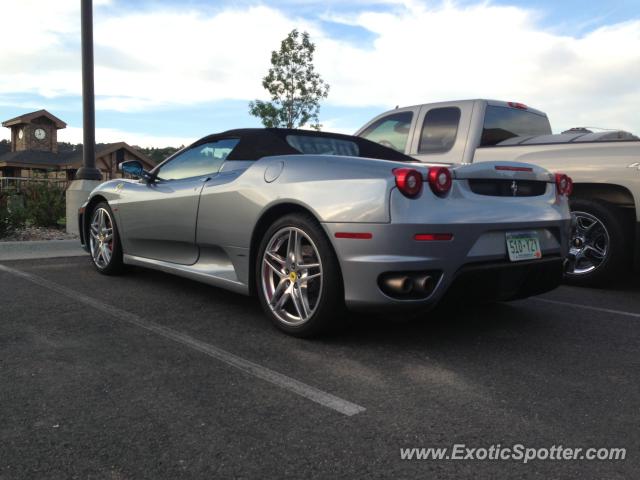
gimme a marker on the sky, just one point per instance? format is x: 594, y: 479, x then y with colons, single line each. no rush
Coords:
x: 168, y: 72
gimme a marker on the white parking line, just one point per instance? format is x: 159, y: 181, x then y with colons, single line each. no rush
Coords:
x: 587, y: 307
x: 307, y: 391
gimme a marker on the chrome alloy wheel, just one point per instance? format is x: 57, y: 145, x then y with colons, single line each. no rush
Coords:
x: 589, y: 244
x: 101, y: 241
x: 292, y: 276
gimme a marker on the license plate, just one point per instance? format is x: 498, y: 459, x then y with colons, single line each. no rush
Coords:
x: 523, y: 246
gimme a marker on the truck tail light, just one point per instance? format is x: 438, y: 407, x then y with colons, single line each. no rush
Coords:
x: 440, y: 180
x: 519, y: 106
x: 564, y: 184
x: 408, y: 181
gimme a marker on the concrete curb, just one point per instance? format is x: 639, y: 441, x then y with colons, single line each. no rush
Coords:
x: 40, y: 249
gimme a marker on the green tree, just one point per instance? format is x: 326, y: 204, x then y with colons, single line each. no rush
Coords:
x: 296, y: 89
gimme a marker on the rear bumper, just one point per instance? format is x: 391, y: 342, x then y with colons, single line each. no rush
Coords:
x: 474, y: 264
x: 500, y: 281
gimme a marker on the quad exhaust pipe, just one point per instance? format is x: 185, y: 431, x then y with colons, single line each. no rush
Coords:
x: 425, y: 283
x: 399, y: 285
x: 408, y: 285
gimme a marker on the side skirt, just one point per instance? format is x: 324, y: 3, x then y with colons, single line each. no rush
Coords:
x: 636, y: 249
x: 202, y: 271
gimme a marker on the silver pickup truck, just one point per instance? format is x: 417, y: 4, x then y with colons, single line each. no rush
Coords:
x: 604, y: 166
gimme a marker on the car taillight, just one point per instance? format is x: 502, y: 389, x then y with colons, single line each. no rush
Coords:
x: 564, y: 184
x: 440, y: 180
x: 408, y: 181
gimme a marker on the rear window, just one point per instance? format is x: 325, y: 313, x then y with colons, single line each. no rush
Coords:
x: 503, y: 123
x: 312, y: 145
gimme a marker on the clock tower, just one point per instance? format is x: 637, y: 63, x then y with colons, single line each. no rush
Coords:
x: 35, y: 131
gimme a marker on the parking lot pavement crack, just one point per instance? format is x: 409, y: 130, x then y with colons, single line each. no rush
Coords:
x: 283, y: 381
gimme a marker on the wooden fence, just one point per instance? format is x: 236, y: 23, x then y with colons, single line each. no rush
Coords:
x: 17, y: 184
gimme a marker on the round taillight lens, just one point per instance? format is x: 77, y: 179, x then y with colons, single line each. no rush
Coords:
x: 440, y: 180
x: 564, y: 184
x: 408, y: 181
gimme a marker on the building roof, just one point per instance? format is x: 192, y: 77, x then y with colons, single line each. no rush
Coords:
x: 65, y: 159
x: 29, y: 117
x: 39, y: 159
x: 103, y: 149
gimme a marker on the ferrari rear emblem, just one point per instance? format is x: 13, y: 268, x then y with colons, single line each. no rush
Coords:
x: 514, y: 188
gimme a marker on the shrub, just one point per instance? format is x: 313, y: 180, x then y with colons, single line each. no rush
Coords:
x: 44, y: 204
x: 12, y: 216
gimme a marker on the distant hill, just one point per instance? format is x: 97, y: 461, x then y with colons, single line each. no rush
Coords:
x: 158, y: 154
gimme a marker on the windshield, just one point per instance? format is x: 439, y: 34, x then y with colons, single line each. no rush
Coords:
x: 502, y: 123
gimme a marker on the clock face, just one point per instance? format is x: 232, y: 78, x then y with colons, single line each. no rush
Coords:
x: 40, y: 133
x: 20, y: 133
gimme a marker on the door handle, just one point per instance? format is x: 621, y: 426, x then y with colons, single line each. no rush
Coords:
x: 204, y: 180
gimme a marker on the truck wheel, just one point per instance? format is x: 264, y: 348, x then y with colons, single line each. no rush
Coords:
x: 598, y: 252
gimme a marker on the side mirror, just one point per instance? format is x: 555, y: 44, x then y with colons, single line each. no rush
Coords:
x: 135, y: 169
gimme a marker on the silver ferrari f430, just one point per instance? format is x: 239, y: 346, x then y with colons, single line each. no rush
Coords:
x: 313, y: 222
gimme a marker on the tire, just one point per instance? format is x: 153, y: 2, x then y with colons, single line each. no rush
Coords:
x: 104, y: 240
x: 601, y: 226
x: 302, y: 308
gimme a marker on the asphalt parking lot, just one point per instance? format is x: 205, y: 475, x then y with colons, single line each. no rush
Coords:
x: 152, y: 376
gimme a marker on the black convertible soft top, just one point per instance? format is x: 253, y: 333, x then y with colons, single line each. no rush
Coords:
x: 255, y: 143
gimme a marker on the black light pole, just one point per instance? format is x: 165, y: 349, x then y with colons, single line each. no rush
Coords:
x: 88, y: 171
